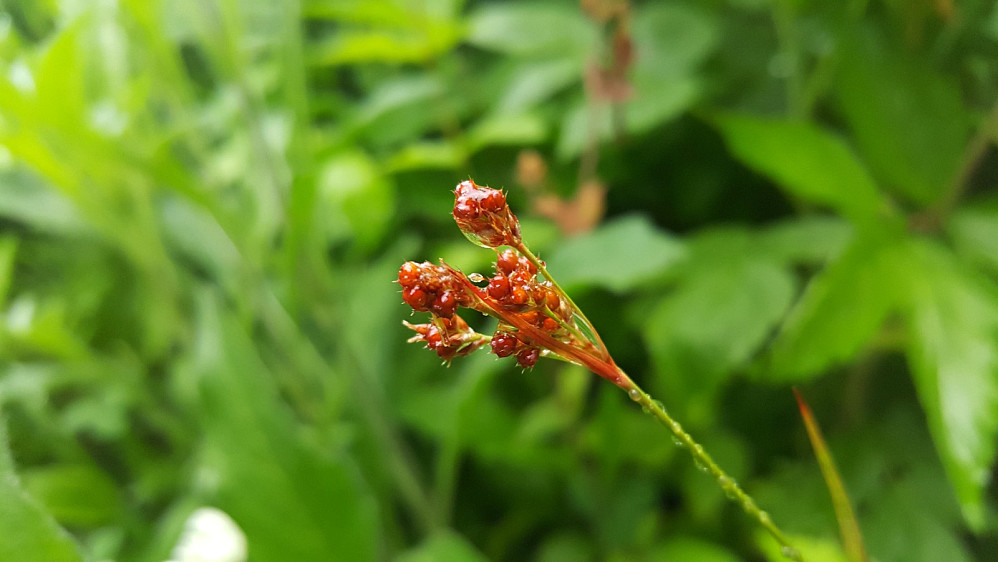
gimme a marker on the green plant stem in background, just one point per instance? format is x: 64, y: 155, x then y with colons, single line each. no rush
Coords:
x: 703, y: 461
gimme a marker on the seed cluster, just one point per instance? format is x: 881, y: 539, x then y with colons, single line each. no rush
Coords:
x: 432, y: 288
x: 515, y: 289
x: 532, y: 313
x: 505, y: 343
x: 448, y: 337
x: 483, y: 215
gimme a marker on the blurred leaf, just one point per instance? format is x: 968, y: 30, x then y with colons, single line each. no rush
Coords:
x: 445, y: 546
x: 842, y: 308
x: 76, y: 495
x: 534, y: 82
x: 619, y: 255
x: 8, y: 249
x: 954, y: 355
x: 355, y: 200
x: 383, y: 31
x: 672, y: 40
x: 804, y: 160
x: 520, y: 129
x: 566, y: 546
x: 810, y: 239
x: 688, y: 549
x: 812, y: 548
x: 532, y: 29
x: 27, y: 532
x: 36, y: 207
x: 427, y: 154
x: 975, y: 234
x: 908, y: 120
x: 293, y: 498
x: 396, y: 46
x: 714, y: 321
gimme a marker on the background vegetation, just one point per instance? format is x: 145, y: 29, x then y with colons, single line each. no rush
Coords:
x: 203, y: 204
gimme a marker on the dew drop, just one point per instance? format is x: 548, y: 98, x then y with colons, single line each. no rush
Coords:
x: 634, y: 394
x: 645, y: 409
x: 700, y: 466
x: 729, y: 486
x: 476, y: 277
x: 659, y: 405
x: 791, y: 553
x: 677, y: 442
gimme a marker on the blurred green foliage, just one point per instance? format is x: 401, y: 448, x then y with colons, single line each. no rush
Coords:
x: 203, y: 204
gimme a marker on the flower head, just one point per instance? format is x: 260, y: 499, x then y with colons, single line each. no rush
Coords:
x: 433, y: 288
x: 484, y: 217
x: 536, y: 317
x: 448, y: 337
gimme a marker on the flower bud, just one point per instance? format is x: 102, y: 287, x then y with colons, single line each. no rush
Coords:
x: 484, y: 217
x: 448, y: 337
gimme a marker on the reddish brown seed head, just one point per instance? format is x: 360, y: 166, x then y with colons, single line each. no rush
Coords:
x: 551, y: 299
x: 493, y: 202
x: 527, y: 357
x: 416, y: 298
x: 507, y: 261
x: 483, y: 215
x: 518, y: 296
x: 445, y: 305
x: 409, y: 274
x: 503, y: 344
x: 498, y: 287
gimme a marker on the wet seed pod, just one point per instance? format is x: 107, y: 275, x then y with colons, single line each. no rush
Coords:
x: 527, y: 357
x: 504, y: 343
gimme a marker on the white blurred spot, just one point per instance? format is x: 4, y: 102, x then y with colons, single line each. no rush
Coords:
x: 20, y: 76
x: 210, y: 535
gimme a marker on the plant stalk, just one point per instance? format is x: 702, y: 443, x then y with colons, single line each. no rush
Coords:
x: 707, y: 464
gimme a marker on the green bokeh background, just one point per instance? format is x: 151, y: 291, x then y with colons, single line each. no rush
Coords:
x: 204, y: 203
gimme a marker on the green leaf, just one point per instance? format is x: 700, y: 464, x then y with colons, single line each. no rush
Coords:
x: 811, y: 239
x: 534, y: 82
x: 953, y: 350
x: 619, y: 255
x: 8, y: 249
x: 355, y: 200
x: 974, y: 232
x: 427, y: 154
x: 714, y: 321
x: 526, y: 128
x: 532, y: 29
x: 672, y: 41
x: 688, y: 549
x: 908, y: 121
x: 294, y: 497
x: 842, y: 308
x: 27, y: 532
x: 806, y: 161
x: 77, y: 495
x: 445, y: 546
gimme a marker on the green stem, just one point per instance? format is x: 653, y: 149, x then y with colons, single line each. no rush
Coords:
x: 704, y: 461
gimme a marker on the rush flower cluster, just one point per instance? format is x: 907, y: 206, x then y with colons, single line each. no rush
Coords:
x: 536, y: 317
